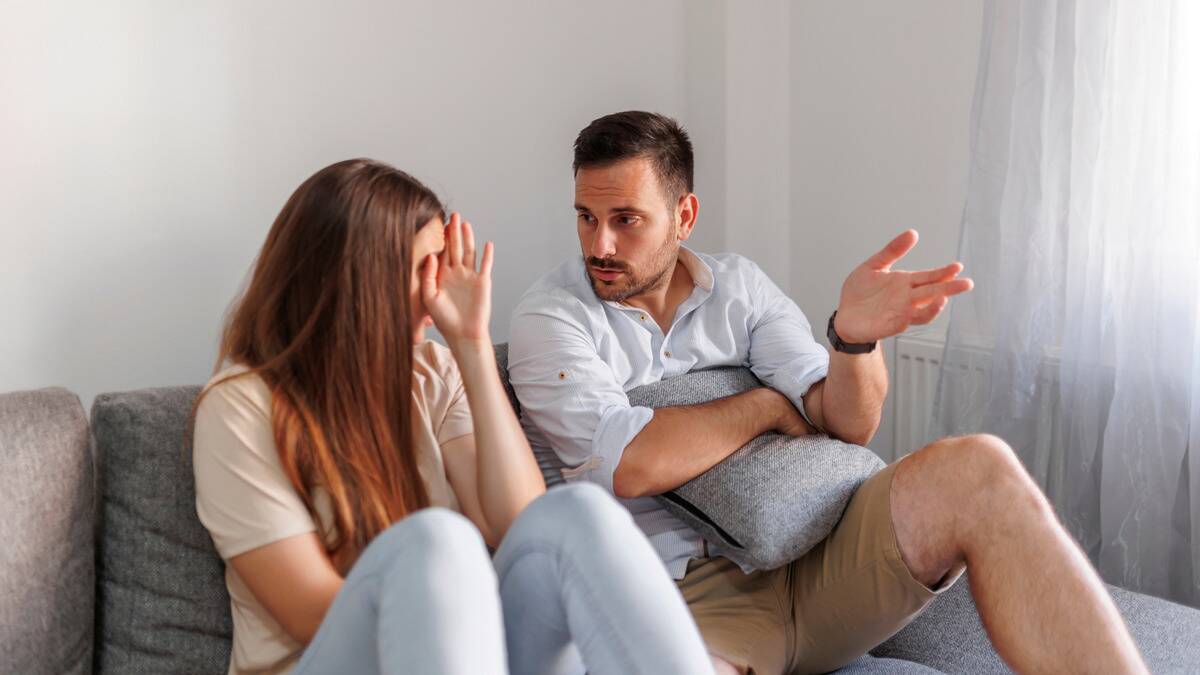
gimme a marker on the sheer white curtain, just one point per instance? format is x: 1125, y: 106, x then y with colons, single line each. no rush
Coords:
x: 1081, y: 343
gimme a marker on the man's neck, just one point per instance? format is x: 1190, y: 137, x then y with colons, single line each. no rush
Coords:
x: 662, y: 302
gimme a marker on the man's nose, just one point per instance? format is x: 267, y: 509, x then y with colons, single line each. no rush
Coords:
x: 604, y: 243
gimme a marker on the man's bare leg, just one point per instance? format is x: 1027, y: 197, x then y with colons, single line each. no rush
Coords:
x: 969, y: 500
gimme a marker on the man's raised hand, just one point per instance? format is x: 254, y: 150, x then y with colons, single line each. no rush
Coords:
x: 878, y: 302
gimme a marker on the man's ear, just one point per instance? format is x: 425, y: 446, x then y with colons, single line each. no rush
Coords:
x: 686, y: 211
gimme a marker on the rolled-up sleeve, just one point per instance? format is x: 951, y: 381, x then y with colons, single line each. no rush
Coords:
x: 567, y: 392
x: 783, y: 352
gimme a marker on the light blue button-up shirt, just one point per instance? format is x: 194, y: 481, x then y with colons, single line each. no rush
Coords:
x: 572, y: 357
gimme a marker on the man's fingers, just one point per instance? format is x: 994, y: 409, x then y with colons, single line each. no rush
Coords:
x: 923, y: 295
x: 938, y: 275
x: 468, y: 246
x: 895, y: 250
x: 929, y: 312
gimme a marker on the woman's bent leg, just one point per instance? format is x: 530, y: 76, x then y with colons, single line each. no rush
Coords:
x: 580, y: 583
x: 422, y: 598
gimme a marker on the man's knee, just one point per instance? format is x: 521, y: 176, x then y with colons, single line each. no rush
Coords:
x: 723, y: 667
x: 977, y: 470
x: 972, y: 459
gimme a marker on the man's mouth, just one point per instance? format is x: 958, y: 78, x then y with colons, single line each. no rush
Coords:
x: 606, y: 273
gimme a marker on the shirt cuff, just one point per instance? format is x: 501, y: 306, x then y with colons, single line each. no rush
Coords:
x: 617, y: 429
x: 795, y: 381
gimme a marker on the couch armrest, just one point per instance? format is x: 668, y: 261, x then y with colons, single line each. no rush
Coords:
x: 47, y: 564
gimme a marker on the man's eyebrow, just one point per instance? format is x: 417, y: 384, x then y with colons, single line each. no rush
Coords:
x: 618, y: 209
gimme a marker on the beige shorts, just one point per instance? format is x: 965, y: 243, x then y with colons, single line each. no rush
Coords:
x: 845, y: 596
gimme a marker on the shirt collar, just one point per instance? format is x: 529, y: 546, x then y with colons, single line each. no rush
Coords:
x: 701, y: 273
x: 702, y: 280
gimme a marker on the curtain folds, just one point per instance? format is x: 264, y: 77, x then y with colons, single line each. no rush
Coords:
x: 1081, y: 344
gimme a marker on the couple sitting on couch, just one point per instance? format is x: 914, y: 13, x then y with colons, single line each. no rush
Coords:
x: 333, y: 426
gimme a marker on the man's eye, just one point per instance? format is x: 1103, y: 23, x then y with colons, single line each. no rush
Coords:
x: 627, y: 220
x: 585, y: 217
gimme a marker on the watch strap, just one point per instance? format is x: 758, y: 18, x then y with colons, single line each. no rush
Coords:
x: 841, y: 345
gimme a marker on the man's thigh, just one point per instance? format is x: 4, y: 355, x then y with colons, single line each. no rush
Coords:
x: 853, y: 590
x: 741, y: 617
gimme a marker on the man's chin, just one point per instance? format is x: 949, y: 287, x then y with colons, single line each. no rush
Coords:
x: 609, y: 291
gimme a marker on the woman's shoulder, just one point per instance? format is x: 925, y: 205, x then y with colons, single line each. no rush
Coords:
x: 436, y: 359
x: 232, y: 433
x: 235, y: 390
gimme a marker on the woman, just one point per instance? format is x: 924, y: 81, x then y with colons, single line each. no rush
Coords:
x: 335, y: 449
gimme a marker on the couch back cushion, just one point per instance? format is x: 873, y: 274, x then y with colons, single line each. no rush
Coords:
x: 47, y: 498
x: 162, y: 602
x: 162, y: 606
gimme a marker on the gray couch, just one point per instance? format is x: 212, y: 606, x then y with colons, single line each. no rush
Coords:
x: 105, y: 566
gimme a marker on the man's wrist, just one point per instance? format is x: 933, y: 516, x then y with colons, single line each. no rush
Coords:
x: 846, y: 343
x: 771, y: 403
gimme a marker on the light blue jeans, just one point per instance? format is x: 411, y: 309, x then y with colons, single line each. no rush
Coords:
x: 574, y: 586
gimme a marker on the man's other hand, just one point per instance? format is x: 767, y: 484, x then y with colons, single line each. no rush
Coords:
x: 788, y: 420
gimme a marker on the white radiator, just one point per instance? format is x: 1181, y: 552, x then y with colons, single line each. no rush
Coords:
x: 916, y: 366
x: 916, y: 363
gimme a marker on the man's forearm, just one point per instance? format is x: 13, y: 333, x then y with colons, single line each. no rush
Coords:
x: 683, y: 442
x: 877, y: 302
x: 850, y: 400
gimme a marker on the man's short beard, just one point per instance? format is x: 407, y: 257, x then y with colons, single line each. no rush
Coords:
x: 666, y: 258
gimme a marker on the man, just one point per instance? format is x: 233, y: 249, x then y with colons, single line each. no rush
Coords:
x: 638, y: 307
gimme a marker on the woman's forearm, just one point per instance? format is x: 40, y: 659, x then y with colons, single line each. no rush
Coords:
x: 507, y: 475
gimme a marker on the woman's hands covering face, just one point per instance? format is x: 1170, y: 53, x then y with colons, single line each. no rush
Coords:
x: 457, y: 296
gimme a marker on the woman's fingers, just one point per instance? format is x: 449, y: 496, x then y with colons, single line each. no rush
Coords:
x: 485, y: 268
x: 468, y: 244
x: 429, y: 287
x: 454, y: 241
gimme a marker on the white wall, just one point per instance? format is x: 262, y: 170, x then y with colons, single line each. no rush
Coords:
x: 880, y: 108
x: 145, y: 148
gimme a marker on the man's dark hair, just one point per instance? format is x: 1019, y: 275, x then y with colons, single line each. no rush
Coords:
x: 634, y: 133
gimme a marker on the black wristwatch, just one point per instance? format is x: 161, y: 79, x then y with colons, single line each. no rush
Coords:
x: 846, y: 347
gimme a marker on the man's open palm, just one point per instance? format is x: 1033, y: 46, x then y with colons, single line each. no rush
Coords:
x: 878, y: 302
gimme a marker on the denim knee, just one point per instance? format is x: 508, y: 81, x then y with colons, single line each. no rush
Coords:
x: 436, y: 537
x: 570, y: 513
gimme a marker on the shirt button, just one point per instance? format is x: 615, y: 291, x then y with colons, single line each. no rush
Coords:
x: 562, y: 374
x: 667, y: 353
x: 642, y: 317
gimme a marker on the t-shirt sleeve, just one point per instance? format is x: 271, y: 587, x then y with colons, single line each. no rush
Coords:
x: 457, y: 421
x: 243, y: 496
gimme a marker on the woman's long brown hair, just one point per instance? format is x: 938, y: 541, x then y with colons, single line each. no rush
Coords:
x: 325, y: 322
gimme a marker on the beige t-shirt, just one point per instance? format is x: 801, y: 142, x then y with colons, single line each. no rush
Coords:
x: 245, y: 499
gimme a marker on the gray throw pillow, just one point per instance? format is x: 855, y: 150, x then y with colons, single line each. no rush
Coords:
x: 775, y: 498
x: 161, y: 600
